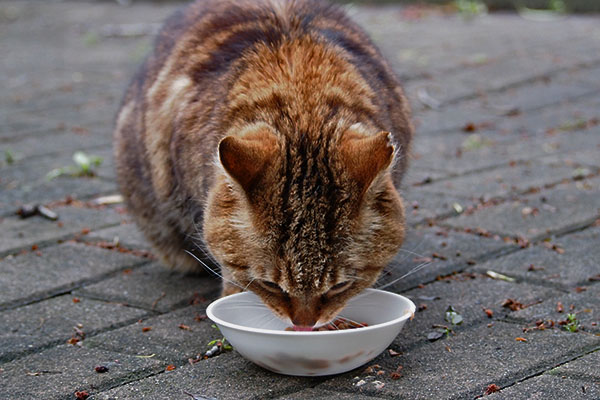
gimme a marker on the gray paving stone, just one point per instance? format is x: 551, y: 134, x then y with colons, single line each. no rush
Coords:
x: 561, y: 87
x: 13, y: 128
x: 416, y: 257
x: 522, y: 52
x: 462, y: 366
x: 461, y: 152
x: 75, y: 118
x: 66, y: 96
x: 550, y: 387
x: 27, y: 182
x: 55, y: 270
x: 59, y: 372
x: 142, y: 287
x: 19, y: 124
x: 422, y: 206
x: 317, y: 393
x: 453, y: 117
x: 584, y: 368
x: 573, y: 268
x: 551, y: 121
x: 494, y: 147
x: 469, y: 294
x: 503, y: 73
x: 590, y: 158
x: 562, y: 208
x: 17, y: 234
x: 127, y: 234
x: 227, y: 376
x: 585, y: 305
x: 51, y: 321
x: 35, y: 170
x: 503, y: 181
x: 417, y: 174
x: 61, y: 142
x: 165, y: 339
x: 44, y: 192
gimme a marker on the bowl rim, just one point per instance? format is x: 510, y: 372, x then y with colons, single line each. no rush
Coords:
x: 231, y: 325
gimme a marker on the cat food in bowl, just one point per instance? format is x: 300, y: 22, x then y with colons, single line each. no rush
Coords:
x: 262, y: 338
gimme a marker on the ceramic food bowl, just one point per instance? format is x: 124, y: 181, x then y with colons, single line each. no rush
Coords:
x: 260, y: 337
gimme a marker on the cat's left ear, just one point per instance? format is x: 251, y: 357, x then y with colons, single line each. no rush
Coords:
x: 366, y: 156
x: 246, y: 157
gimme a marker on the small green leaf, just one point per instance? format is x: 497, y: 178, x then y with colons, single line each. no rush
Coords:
x: 82, y: 160
x: 96, y: 160
x: 557, y: 6
x: 580, y: 173
x: 572, y: 323
x: 84, y: 166
x: 470, y: 8
x: 475, y: 142
x: 453, y: 317
x: 90, y: 39
x: 55, y: 173
x: 9, y: 157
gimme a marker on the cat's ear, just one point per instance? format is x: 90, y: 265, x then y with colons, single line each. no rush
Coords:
x: 245, y: 158
x: 366, y: 156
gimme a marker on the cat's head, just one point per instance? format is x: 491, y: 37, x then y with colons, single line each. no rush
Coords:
x: 307, y: 222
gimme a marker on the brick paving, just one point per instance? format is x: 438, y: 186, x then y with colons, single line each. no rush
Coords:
x: 505, y: 177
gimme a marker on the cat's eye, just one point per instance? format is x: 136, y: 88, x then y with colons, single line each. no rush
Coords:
x: 271, y: 286
x: 339, y: 288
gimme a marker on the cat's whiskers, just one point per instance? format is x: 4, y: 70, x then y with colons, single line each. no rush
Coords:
x: 261, y: 319
x: 213, y: 271
x: 198, y: 241
x: 412, y: 252
x: 397, y: 264
x: 355, y: 278
x: 345, y: 319
x: 334, y: 325
x: 412, y: 271
x: 236, y: 305
x: 249, y: 283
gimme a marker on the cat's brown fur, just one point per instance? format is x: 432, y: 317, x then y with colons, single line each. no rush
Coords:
x: 258, y: 130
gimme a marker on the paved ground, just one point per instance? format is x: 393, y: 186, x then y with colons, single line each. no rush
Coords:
x: 505, y: 177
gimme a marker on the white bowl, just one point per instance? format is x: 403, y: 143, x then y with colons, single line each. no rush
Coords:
x: 259, y: 336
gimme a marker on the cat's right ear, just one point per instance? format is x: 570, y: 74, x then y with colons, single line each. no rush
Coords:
x: 366, y: 156
x: 245, y: 158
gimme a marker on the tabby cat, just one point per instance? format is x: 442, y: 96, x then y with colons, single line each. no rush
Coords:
x: 270, y: 136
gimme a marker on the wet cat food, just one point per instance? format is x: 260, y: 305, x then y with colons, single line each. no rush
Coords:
x: 337, y: 324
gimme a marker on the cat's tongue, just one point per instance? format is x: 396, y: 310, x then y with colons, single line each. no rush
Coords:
x: 303, y: 328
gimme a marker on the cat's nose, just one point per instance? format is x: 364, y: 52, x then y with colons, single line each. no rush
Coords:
x: 304, y: 323
x: 300, y: 328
